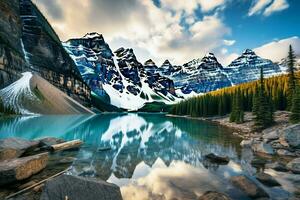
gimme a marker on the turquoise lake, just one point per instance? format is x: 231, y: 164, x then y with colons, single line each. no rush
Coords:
x: 152, y: 156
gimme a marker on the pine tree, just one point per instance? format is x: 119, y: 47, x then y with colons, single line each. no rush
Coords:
x: 295, y: 109
x: 255, y: 100
x: 264, y: 113
x: 291, y: 77
x: 233, y: 114
x: 237, y: 114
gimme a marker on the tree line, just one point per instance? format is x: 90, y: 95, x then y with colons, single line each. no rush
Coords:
x: 262, y: 97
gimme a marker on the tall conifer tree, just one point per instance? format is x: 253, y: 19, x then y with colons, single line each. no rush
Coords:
x: 291, y: 77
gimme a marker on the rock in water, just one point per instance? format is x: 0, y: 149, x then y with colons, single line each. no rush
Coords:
x: 14, y: 147
x: 21, y: 168
x: 291, y: 135
x: 246, y: 143
x: 267, y: 179
x: 294, y: 166
x: 216, y: 159
x: 263, y: 148
x: 78, y: 188
x: 249, y: 187
x: 213, y: 196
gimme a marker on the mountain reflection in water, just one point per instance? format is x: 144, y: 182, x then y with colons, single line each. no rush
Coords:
x: 151, y: 157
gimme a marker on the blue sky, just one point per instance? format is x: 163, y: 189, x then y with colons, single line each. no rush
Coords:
x: 181, y: 30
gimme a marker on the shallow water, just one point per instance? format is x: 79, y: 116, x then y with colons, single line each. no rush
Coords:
x: 151, y: 157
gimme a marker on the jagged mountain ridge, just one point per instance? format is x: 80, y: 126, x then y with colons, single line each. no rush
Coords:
x: 201, y: 75
x: 119, y: 75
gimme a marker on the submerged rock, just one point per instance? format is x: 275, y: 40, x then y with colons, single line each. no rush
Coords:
x: 250, y: 188
x: 291, y: 135
x: 14, y: 147
x: 78, y: 188
x: 267, y: 179
x: 210, y: 195
x: 294, y: 166
x: 21, y: 168
x: 216, y: 159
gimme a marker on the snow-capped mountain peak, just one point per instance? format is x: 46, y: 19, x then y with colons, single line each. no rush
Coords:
x: 93, y: 35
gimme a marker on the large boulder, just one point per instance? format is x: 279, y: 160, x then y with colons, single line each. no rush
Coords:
x: 210, y: 195
x: 267, y: 179
x: 273, y: 135
x: 249, y: 187
x: 263, y: 147
x: 14, y: 147
x: 294, y: 166
x: 21, y: 168
x: 78, y: 188
x: 291, y: 135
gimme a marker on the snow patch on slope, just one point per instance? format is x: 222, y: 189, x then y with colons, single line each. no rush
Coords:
x: 13, y: 94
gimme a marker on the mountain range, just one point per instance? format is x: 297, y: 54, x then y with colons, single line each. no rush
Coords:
x: 130, y: 85
x: 87, y: 70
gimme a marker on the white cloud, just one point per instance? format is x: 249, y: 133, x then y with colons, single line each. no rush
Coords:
x: 208, y: 5
x: 258, y: 6
x: 151, y: 31
x: 277, y: 50
x: 190, y: 6
x: 276, y: 6
x: 229, y: 42
x: 267, y: 7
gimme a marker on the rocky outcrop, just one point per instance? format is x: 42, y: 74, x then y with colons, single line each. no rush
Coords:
x: 294, y: 166
x: 21, y: 168
x: 210, y: 195
x: 78, y: 188
x: 14, y: 147
x: 249, y: 187
x: 291, y: 135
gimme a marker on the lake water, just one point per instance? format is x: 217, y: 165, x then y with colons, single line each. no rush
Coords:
x: 152, y: 156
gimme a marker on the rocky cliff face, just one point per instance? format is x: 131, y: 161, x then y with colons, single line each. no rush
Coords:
x: 28, y: 43
x: 11, y: 54
x: 128, y: 83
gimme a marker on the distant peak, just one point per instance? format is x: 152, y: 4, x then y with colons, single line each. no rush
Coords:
x: 93, y: 35
x: 166, y: 62
x: 210, y: 55
x: 149, y: 62
x: 248, y: 51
